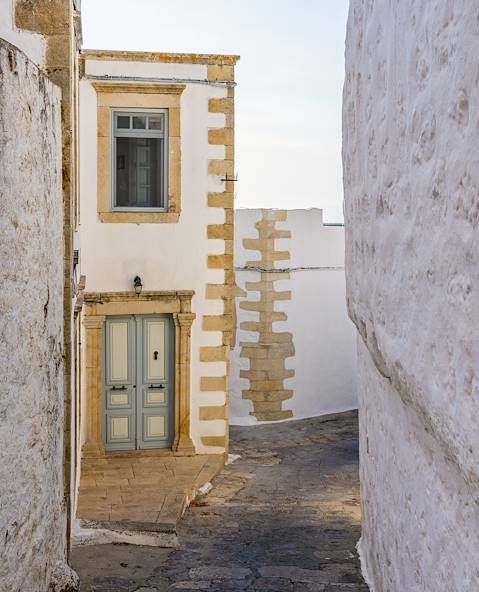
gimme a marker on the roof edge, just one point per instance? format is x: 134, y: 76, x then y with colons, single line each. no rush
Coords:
x: 164, y: 57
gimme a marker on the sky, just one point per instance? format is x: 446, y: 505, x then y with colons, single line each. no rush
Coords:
x: 290, y: 77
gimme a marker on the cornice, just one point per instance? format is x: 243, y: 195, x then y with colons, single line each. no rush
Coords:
x: 138, y: 87
x: 164, y: 57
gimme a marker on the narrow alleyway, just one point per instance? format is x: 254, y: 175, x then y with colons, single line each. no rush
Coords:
x: 284, y: 517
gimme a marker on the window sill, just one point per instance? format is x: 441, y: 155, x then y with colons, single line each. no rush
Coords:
x: 139, y: 217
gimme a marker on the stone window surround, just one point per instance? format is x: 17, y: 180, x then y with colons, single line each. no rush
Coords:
x: 99, y: 305
x: 120, y: 95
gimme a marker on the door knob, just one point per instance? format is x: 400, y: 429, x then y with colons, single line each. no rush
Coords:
x: 155, y: 355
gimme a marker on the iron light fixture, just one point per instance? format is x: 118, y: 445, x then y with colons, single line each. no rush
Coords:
x: 137, y: 285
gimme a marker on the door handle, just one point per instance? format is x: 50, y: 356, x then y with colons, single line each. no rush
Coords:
x: 118, y: 388
x: 158, y: 386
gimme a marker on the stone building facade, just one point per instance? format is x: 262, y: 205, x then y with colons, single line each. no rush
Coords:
x: 411, y: 109
x: 156, y: 208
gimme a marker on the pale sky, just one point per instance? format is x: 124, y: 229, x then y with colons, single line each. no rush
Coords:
x: 290, y: 76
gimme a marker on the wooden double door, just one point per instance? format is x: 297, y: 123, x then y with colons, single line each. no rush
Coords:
x: 138, y: 393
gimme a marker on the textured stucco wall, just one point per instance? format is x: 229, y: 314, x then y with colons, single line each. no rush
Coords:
x: 319, y: 375
x: 32, y: 518
x: 411, y: 174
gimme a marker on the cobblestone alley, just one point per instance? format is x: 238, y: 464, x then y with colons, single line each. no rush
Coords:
x: 284, y: 517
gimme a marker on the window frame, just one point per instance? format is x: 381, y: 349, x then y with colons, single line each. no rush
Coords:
x: 114, y: 111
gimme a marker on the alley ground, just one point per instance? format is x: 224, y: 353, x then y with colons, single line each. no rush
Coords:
x: 284, y: 517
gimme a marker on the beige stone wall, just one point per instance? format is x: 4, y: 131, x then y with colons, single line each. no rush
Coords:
x: 268, y: 352
x: 223, y: 136
x: 32, y: 511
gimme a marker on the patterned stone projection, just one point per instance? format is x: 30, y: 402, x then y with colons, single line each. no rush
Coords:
x: 223, y: 168
x: 267, y: 356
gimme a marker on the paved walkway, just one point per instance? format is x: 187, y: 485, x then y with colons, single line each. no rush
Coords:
x: 285, y: 517
x: 142, y: 493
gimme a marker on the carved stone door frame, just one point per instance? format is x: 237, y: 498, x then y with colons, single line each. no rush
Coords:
x: 97, y: 307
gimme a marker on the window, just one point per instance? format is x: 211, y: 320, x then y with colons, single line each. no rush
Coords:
x: 160, y: 104
x: 140, y: 151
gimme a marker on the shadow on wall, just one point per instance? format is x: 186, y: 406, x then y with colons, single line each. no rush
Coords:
x: 295, y: 354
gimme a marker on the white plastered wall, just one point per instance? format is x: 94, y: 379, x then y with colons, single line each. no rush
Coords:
x: 411, y: 176
x: 323, y: 336
x: 165, y: 256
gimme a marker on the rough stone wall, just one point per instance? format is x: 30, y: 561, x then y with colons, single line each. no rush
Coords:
x: 32, y: 516
x: 411, y: 175
x: 58, y: 23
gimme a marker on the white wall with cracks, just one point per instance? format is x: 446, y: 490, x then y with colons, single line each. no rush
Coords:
x: 411, y: 176
x: 32, y: 513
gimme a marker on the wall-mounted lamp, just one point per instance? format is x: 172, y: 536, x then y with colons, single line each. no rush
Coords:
x: 137, y: 284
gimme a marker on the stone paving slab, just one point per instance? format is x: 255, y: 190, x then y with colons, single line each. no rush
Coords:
x: 285, y: 517
x: 147, y: 494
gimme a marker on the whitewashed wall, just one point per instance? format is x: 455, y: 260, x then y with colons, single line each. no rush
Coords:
x: 165, y: 256
x: 411, y: 112
x: 32, y: 513
x: 323, y: 336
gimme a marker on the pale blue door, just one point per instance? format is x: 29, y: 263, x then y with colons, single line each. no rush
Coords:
x: 139, y: 382
x: 120, y: 383
x: 154, y: 425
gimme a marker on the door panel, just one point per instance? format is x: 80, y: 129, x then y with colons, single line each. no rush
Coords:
x: 119, y: 398
x: 116, y: 400
x: 155, y: 354
x: 119, y: 430
x: 118, y: 347
x: 138, y: 391
x: 155, y: 427
x: 154, y: 418
x: 119, y: 389
x: 120, y: 427
x: 154, y: 397
x: 154, y: 406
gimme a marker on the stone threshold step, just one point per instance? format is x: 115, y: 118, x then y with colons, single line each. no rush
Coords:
x: 89, y: 532
x: 161, y: 533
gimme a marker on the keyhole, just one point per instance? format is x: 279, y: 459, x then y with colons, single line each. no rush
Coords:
x: 155, y: 355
